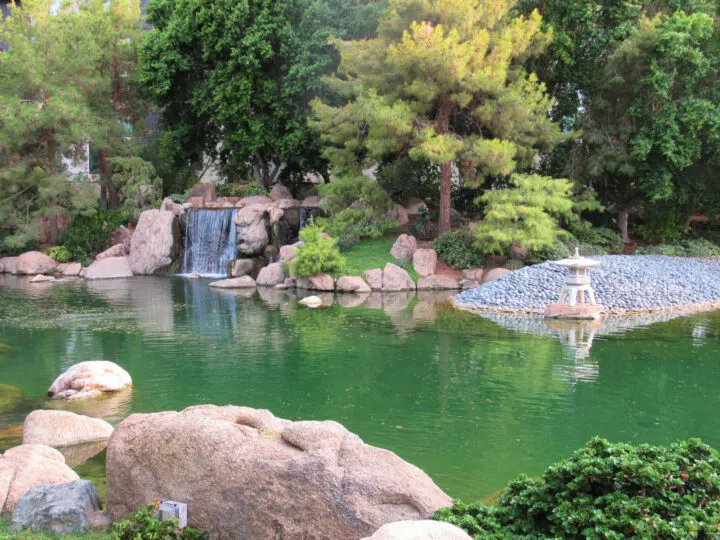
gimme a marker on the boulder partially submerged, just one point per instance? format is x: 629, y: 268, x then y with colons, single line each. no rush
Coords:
x: 63, y: 428
x: 90, y: 379
x: 246, y: 474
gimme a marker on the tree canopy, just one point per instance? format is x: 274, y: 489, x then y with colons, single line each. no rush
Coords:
x: 234, y: 78
x: 442, y: 82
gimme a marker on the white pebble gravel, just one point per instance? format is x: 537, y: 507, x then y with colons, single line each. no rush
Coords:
x: 622, y: 283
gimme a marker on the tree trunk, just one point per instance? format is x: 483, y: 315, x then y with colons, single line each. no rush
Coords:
x: 623, y: 224
x: 110, y: 194
x: 442, y: 125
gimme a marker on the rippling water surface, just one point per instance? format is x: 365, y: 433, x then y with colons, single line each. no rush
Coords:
x: 472, y: 401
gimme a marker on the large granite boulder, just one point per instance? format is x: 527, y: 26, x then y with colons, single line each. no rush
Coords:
x: 425, y: 261
x: 396, y: 279
x: 242, y: 282
x: 61, y: 509
x: 110, y: 268
x: 9, y: 264
x: 288, y: 253
x: 318, y: 282
x: 156, y: 244
x: 247, y: 474
x: 90, y: 379
x: 246, y: 267
x: 353, y: 284
x: 423, y: 529
x: 404, y: 248
x: 69, y: 269
x: 34, y: 262
x: 26, y: 466
x: 253, y: 231
x: 63, y: 428
x: 271, y: 275
x: 495, y: 273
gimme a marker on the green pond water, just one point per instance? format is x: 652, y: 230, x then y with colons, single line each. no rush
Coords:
x: 473, y: 402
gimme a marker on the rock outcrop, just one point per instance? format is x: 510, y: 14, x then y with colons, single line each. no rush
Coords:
x: 9, y: 264
x: 34, y: 262
x: 374, y: 278
x: 425, y: 261
x: 247, y: 474
x: 424, y: 529
x: 63, y: 428
x: 118, y: 250
x: 61, y: 509
x: 404, y: 248
x: 169, y: 205
x: 156, y: 244
x: 26, y: 466
x: 69, y: 269
x: 495, y: 273
x: 253, y: 234
x: 246, y: 267
x: 396, y: 279
x: 352, y: 284
x: 271, y: 275
x: 318, y: 282
x: 90, y: 379
x: 111, y: 268
x: 436, y: 283
x: 242, y: 282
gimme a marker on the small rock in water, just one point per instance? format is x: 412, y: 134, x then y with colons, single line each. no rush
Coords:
x: 311, y: 301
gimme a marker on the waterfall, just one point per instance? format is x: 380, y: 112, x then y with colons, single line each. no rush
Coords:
x: 210, y: 242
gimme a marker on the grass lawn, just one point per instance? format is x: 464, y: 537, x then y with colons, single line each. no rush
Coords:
x: 6, y: 534
x: 368, y: 254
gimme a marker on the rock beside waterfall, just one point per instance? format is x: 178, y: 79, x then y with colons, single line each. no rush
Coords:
x: 247, y: 474
x: 271, y: 275
x: 279, y: 192
x: 205, y: 191
x: 156, y: 244
x: 26, y: 466
x: 171, y: 206
x: 288, y: 253
x: 63, y: 428
x: 61, y: 509
x: 242, y: 282
x: 118, y: 250
x: 110, y: 268
x: 34, y: 262
x: 246, y: 267
x: 90, y: 379
x: 9, y: 264
x: 252, y: 227
x: 424, y: 529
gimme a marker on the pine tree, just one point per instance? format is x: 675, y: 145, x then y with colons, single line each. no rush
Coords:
x: 442, y: 82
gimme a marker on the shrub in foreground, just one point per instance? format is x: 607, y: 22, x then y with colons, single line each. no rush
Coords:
x: 607, y: 491
x: 318, y: 254
x: 59, y: 254
x: 143, y: 525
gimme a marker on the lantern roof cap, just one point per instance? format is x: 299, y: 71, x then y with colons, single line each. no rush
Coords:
x: 577, y: 261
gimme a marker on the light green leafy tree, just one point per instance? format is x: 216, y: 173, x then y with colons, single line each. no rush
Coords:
x: 526, y: 213
x: 442, y: 83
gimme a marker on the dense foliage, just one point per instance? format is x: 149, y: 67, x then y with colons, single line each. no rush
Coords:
x: 59, y: 254
x: 318, y: 254
x: 357, y: 207
x: 684, y: 248
x: 143, y: 525
x: 88, y: 235
x: 607, y: 491
x: 458, y: 250
x: 442, y: 83
x: 234, y: 78
x: 526, y: 213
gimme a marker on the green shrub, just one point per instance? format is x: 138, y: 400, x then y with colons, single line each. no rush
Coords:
x: 458, y: 250
x: 557, y: 250
x: 685, y: 248
x: 404, y: 179
x: 17, y: 244
x: 252, y: 190
x: 317, y: 255
x: 239, y: 189
x: 180, y: 198
x: 59, y: 254
x: 88, y: 235
x: 607, y: 491
x: 143, y: 525
x: 663, y: 222
x: 607, y: 239
x: 352, y: 224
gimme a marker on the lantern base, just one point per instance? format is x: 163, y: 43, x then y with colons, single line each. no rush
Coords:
x: 578, y: 312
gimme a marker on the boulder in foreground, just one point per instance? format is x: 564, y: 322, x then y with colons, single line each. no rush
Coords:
x: 26, y: 466
x: 63, y: 428
x: 424, y: 529
x: 34, y: 262
x: 90, y: 379
x: 247, y: 474
x: 110, y: 268
x: 61, y: 509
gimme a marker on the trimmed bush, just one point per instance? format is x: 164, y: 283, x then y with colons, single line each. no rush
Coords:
x: 457, y: 249
x: 685, y: 248
x: 607, y: 491
x: 317, y: 255
x: 59, y: 254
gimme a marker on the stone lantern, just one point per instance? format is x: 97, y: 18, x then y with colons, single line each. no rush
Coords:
x: 572, y: 304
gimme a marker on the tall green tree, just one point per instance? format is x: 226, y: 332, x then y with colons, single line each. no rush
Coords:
x: 442, y: 82
x: 234, y: 78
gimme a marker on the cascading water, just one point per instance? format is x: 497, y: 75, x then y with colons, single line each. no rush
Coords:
x: 210, y: 242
